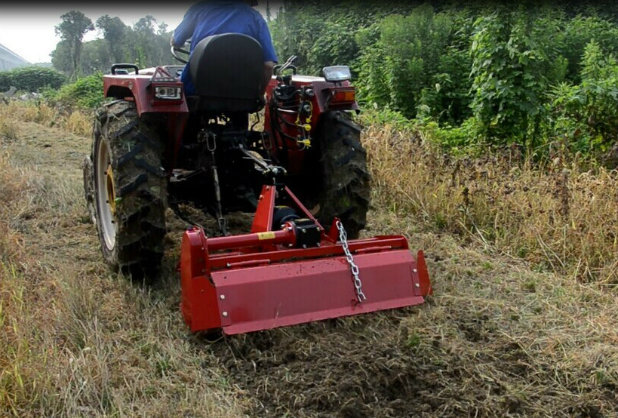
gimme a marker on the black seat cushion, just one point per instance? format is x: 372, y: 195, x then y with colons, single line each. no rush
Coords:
x: 228, y: 73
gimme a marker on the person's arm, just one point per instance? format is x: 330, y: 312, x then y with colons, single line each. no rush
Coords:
x: 270, y: 57
x: 185, y: 28
x: 268, y: 72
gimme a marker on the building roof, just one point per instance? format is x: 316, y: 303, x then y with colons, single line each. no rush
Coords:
x: 10, y: 60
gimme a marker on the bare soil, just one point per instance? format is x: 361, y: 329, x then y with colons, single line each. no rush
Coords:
x: 496, y: 339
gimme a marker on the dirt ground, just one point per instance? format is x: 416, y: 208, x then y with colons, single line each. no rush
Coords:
x: 496, y: 339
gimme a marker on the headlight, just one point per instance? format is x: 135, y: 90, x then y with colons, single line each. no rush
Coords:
x: 337, y: 73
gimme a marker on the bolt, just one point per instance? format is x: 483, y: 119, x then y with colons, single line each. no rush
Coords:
x: 415, y: 270
x: 225, y: 314
x: 417, y: 285
x: 222, y: 297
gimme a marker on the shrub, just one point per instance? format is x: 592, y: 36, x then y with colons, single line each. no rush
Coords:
x: 32, y: 79
x: 86, y: 92
x: 586, y: 115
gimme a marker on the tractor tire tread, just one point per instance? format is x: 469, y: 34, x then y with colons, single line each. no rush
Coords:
x: 346, y: 180
x: 141, y: 189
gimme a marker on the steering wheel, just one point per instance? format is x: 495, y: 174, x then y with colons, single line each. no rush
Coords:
x: 177, y: 49
x: 288, y: 65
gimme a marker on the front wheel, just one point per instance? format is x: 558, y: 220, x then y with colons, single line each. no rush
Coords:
x: 127, y: 190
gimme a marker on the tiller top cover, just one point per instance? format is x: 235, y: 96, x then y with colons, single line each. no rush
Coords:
x: 297, y: 274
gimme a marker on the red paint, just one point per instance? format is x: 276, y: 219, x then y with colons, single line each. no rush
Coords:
x: 139, y: 88
x: 322, y: 102
x: 259, y: 281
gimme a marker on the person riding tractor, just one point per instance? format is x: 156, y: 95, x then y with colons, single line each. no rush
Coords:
x: 213, y: 17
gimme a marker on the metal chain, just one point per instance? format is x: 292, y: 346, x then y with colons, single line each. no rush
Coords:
x: 358, y: 284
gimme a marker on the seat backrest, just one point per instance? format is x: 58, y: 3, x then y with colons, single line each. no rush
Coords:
x: 228, y: 72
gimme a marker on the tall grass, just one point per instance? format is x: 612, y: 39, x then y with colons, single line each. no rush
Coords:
x: 76, y: 340
x: 559, y: 216
x: 75, y: 121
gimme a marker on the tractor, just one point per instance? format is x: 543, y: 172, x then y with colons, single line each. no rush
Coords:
x: 298, y: 164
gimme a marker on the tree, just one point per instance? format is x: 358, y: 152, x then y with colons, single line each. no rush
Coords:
x: 72, y: 29
x: 149, y: 44
x: 114, y: 33
x: 61, y: 57
x: 515, y: 58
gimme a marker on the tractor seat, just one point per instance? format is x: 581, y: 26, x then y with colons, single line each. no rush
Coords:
x: 228, y: 74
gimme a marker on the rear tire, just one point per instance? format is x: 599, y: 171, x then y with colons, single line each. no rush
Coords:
x: 345, y: 186
x: 126, y: 190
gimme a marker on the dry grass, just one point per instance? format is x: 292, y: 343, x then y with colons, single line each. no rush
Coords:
x: 9, y: 130
x: 77, y: 122
x: 75, y: 339
x: 499, y: 335
x: 497, y: 338
x: 559, y: 217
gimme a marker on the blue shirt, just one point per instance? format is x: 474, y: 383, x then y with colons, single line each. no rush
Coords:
x: 213, y: 17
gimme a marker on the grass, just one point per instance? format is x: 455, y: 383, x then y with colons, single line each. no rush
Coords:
x: 559, y: 216
x: 77, y: 121
x: 525, y: 268
x: 75, y: 339
x: 522, y: 322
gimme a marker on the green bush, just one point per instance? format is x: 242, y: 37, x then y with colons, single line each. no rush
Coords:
x: 403, y: 61
x: 514, y: 62
x: 470, y: 76
x: 31, y: 79
x: 86, y: 92
x: 586, y: 114
x: 577, y: 33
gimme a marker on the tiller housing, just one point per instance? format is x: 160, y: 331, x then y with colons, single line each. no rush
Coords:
x: 300, y: 273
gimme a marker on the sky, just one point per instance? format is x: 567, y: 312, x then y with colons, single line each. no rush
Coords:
x: 27, y: 28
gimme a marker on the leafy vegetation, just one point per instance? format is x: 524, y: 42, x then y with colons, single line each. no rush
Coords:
x: 86, y: 92
x: 145, y: 44
x: 536, y: 76
x: 31, y: 79
x: 532, y: 75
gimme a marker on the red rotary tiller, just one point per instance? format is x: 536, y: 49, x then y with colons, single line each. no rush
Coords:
x: 299, y: 273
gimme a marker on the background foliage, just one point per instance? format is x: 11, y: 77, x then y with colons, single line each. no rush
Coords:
x: 31, y: 79
x: 539, y: 76
x: 146, y: 44
x: 474, y: 75
x: 85, y: 93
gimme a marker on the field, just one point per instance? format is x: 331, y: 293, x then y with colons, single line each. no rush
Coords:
x: 523, y: 261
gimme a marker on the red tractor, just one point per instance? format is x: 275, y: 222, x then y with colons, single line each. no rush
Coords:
x: 156, y: 148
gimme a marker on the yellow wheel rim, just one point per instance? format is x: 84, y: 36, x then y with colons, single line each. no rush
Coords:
x: 111, y: 191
